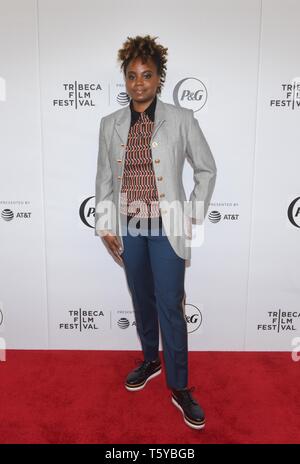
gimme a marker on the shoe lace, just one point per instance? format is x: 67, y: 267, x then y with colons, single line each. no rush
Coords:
x: 187, y: 397
x: 143, y: 365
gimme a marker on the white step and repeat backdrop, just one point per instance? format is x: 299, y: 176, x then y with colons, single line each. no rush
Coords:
x: 59, y: 287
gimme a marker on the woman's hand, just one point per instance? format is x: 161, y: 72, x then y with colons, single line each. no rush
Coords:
x: 114, y: 246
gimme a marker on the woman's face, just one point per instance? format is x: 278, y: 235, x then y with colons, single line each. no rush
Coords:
x: 142, y: 80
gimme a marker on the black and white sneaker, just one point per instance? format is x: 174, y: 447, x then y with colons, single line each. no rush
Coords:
x: 193, y: 414
x: 137, y: 379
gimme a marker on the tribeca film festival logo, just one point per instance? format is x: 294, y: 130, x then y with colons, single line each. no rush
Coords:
x: 77, y: 94
x: 280, y: 321
x: 82, y: 320
x: 291, y: 95
x: 8, y: 214
x: 190, y: 93
x: 294, y: 212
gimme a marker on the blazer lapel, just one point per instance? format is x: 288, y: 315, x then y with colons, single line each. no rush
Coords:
x: 122, y: 125
x: 159, y: 116
x: 123, y: 120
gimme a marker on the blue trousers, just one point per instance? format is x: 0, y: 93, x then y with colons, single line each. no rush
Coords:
x: 155, y: 277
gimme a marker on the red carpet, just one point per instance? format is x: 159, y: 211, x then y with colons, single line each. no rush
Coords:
x: 78, y: 397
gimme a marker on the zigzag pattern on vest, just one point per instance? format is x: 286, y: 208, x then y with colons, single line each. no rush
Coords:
x: 138, y: 176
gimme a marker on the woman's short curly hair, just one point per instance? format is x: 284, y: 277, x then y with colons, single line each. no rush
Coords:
x: 144, y: 48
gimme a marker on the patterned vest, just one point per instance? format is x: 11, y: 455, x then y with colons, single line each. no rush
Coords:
x: 138, y: 181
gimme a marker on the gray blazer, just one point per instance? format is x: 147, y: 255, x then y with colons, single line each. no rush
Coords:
x: 176, y: 136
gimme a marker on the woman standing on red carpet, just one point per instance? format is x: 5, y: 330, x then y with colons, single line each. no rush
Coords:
x: 142, y: 150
